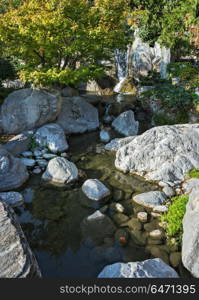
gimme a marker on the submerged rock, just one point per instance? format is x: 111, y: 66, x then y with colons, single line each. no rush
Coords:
x: 95, y: 189
x: 78, y: 116
x: 105, y: 136
x: 60, y: 170
x: 190, y: 245
x: 164, y: 153
x: 97, y: 227
x: 151, y: 268
x: 12, y: 172
x: 17, y: 259
x: 150, y: 199
x: 12, y: 198
x: 28, y: 108
x: 51, y: 136
x: 125, y: 124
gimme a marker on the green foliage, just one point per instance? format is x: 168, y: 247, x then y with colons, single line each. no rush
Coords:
x: 173, y: 218
x: 185, y: 70
x: 194, y: 173
x: 7, y: 70
x: 161, y: 119
x: 33, y: 144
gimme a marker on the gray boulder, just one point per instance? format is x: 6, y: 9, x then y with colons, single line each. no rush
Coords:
x: 78, y: 116
x: 12, y: 172
x: 12, y: 198
x: 97, y: 227
x: 190, y: 245
x: 51, y: 136
x: 60, y: 170
x: 150, y: 199
x: 95, y: 190
x: 151, y: 268
x: 17, y: 259
x: 28, y: 108
x: 18, y: 144
x: 164, y: 153
x: 125, y: 124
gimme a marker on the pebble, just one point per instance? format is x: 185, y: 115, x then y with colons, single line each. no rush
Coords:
x: 37, y: 153
x: 37, y: 171
x: 27, y: 154
x: 168, y: 191
x: 160, y: 209
x: 49, y: 155
x: 142, y: 217
x: 156, y: 234
x: 28, y: 162
x: 42, y: 163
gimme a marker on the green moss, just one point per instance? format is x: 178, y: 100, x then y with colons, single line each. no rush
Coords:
x: 173, y: 218
x: 194, y: 173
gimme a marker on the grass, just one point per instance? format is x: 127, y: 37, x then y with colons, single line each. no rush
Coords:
x: 173, y: 218
x: 194, y: 173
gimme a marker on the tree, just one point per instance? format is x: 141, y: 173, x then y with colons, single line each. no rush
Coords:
x: 62, y: 40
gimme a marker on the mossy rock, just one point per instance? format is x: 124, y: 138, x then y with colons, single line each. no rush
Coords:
x: 128, y: 87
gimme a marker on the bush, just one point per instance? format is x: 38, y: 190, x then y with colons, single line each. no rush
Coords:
x: 174, y: 217
x: 194, y: 173
x: 7, y: 70
x: 185, y: 70
x: 161, y: 119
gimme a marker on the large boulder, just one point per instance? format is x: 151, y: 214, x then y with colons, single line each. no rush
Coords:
x: 190, y: 245
x: 97, y: 227
x: 125, y: 124
x: 61, y: 171
x: 13, y: 173
x: 78, y: 116
x: 17, y: 259
x: 51, y: 136
x: 164, y: 153
x: 28, y: 109
x: 151, y: 268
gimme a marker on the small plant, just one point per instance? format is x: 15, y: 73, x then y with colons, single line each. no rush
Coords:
x: 173, y: 218
x: 194, y: 173
x: 33, y: 144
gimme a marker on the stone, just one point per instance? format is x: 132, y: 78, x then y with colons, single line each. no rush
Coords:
x: 117, y: 207
x: 118, y: 195
x: 142, y: 216
x: 18, y: 144
x: 160, y: 209
x: 175, y: 259
x: 156, y: 251
x: 150, y: 199
x: 42, y: 163
x: 134, y: 224
x: 13, y: 173
x: 168, y: 191
x: 12, y: 198
x: 27, y: 109
x: 150, y: 226
x: 151, y: 268
x: 105, y: 136
x: 27, y: 154
x: 156, y: 234
x: 155, y: 215
x: 28, y: 162
x: 78, y: 116
x: 69, y: 92
x: 60, y: 170
x: 95, y: 190
x: 37, y: 171
x: 117, y: 143
x: 49, y: 156
x: 52, y: 137
x: 37, y: 153
x: 164, y: 153
x: 120, y: 218
x: 17, y: 259
x: 125, y: 124
x: 190, y: 245
x: 190, y: 184
x: 97, y: 227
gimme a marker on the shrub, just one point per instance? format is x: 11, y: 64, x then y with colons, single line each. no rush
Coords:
x: 194, y: 173
x: 185, y: 70
x: 161, y: 119
x: 7, y: 70
x: 174, y: 217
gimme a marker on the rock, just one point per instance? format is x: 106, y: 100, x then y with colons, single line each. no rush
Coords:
x: 156, y: 251
x: 151, y: 268
x: 37, y: 153
x: 134, y: 224
x: 117, y: 143
x: 42, y: 163
x: 125, y: 124
x: 155, y: 215
x: 190, y: 245
x: 64, y: 154
x: 37, y: 171
x: 27, y: 154
x: 97, y: 227
x: 51, y: 136
x: 151, y: 226
x: 164, y: 153
x: 28, y: 162
x: 169, y: 192
x: 69, y: 92
x: 156, y: 234
x: 190, y: 185
x: 60, y: 170
x: 150, y: 199
x: 17, y: 259
x: 13, y: 173
x: 117, y: 207
x: 142, y: 216
x: 118, y: 195
x: 18, y: 144
x: 49, y: 156
x: 95, y: 190
x: 120, y: 218
x: 12, y: 198
x: 175, y: 259
x: 27, y: 109
x: 105, y: 136
x: 78, y: 116
x: 160, y: 209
